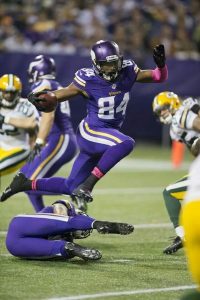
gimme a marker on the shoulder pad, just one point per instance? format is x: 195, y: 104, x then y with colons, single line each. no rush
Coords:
x: 130, y: 63
x: 84, y: 75
x: 41, y: 85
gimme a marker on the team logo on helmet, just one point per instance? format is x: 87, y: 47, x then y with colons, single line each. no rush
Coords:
x: 166, y: 101
x: 42, y: 67
x: 106, y: 59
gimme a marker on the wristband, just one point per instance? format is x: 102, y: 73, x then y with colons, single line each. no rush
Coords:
x: 159, y: 74
x: 39, y: 141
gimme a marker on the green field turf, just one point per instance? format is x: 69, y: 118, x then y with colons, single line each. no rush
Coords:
x: 131, y: 265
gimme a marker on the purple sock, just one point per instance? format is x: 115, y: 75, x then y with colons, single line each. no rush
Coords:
x: 114, y: 154
x: 36, y: 201
x: 55, y: 185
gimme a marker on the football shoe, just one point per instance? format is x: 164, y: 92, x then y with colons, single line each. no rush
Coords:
x: 174, y: 247
x: 20, y: 183
x: 81, y: 196
x: 73, y: 250
x: 105, y: 227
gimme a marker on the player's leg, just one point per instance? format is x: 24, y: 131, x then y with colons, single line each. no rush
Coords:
x: 11, y: 160
x: 111, y: 144
x: 190, y: 219
x: 59, y: 150
x: 81, y: 169
x: 173, y: 194
x: 28, y: 237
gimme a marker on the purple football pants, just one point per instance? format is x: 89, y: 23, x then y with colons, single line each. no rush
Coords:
x: 59, y: 150
x: 28, y: 234
x: 99, y: 147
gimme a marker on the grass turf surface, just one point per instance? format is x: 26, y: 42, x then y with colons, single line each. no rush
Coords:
x: 129, y: 263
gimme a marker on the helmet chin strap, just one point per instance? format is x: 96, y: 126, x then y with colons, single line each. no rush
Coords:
x: 167, y: 120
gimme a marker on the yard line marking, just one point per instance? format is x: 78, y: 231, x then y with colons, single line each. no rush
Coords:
x: 116, y: 191
x: 137, y: 226
x: 123, y: 293
x: 136, y: 190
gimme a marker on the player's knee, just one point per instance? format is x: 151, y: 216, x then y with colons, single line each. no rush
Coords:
x: 129, y: 145
x: 11, y: 243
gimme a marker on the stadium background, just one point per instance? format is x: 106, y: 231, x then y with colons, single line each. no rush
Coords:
x: 132, y: 267
x: 66, y: 30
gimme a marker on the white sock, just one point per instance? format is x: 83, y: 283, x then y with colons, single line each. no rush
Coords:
x: 180, y: 231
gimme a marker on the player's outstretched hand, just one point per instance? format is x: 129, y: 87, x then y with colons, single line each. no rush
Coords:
x: 36, y: 100
x: 44, y: 101
x: 159, y: 55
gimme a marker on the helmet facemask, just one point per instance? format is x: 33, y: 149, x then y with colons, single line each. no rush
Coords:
x: 10, y: 88
x: 165, y: 105
x: 106, y: 59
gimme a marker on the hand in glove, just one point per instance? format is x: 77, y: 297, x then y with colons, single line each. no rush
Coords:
x: 36, y: 150
x: 159, y: 55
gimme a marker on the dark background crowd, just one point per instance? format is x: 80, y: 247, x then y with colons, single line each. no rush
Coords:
x: 66, y: 30
x: 71, y: 27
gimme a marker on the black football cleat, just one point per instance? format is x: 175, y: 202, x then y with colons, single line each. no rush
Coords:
x: 113, y: 227
x: 174, y: 247
x: 20, y: 183
x: 73, y: 250
x: 81, y: 196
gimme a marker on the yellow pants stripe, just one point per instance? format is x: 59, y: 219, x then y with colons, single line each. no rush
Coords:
x: 45, y: 162
x: 102, y: 133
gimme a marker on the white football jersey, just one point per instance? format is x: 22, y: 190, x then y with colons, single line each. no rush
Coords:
x: 181, y: 126
x: 11, y: 136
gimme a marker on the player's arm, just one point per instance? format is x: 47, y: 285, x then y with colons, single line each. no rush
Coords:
x: 46, y: 123
x: 28, y: 123
x: 159, y: 74
x: 68, y: 92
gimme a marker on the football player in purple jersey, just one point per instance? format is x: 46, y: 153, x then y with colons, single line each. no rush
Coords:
x: 56, y: 143
x: 106, y: 87
x: 50, y: 233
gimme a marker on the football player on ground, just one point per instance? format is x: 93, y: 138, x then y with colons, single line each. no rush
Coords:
x: 107, y: 88
x: 184, y: 120
x: 50, y: 233
x: 18, y: 125
x: 190, y: 218
x: 56, y: 142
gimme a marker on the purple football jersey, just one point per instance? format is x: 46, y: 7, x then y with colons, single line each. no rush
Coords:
x: 62, y: 121
x: 107, y: 101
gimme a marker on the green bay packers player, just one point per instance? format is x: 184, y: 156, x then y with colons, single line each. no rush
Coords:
x: 190, y: 218
x: 18, y: 124
x: 184, y: 120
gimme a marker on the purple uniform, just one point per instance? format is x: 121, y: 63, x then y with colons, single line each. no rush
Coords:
x: 30, y: 236
x: 60, y: 146
x: 107, y: 101
x: 101, y: 143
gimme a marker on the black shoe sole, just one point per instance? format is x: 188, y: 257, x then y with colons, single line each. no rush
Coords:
x: 113, y: 228
x: 82, y: 252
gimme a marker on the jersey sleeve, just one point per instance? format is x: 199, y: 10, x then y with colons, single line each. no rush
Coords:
x: 41, y: 86
x: 131, y: 69
x: 83, y: 78
x: 186, y: 118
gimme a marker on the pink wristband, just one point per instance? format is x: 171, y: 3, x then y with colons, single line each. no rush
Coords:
x: 159, y: 74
